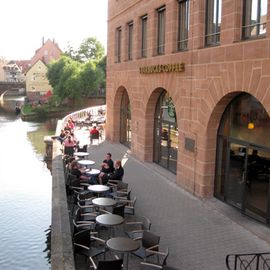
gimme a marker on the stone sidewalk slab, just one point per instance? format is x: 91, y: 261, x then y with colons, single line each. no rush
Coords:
x: 198, y: 232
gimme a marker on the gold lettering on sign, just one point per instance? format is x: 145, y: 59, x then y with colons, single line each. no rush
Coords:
x: 166, y: 68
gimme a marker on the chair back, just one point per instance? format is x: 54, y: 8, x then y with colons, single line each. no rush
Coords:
x: 82, y: 149
x: 133, y: 201
x: 146, y: 223
x: 149, y: 239
x: 82, y: 238
x: 119, y: 210
x: 122, y: 185
x: 69, y: 150
x: 110, y: 265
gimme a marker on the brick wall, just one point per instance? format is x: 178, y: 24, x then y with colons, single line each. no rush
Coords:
x: 212, y: 78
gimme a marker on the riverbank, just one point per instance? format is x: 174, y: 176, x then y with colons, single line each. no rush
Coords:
x: 35, y: 112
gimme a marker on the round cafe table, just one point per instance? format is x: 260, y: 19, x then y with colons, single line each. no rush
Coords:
x: 104, y: 202
x: 109, y: 220
x: 93, y: 172
x: 81, y: 154
x: 86, y: 162
x: 123, y: 245
x: 98, y: 188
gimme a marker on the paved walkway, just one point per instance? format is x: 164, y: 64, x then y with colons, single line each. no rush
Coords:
x: 199, y: 233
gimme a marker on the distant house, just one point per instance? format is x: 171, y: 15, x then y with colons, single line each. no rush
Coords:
x: 37, y: 84
x: 3, y: 62
x: 47, y: 52
x: 13, y: 73
x: 24, y: 65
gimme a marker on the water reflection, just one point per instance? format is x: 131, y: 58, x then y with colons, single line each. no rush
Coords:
x: 25, y: 193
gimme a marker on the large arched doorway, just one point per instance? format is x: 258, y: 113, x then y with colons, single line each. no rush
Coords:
x: 243, y: 157
x: 166, y: 133
x: 125, y: 120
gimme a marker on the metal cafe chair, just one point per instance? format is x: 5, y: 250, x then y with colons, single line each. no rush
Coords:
x: 135, y: 229
x: 108, y: 265
x: 129, y: 205
x: 149, y: 241
x: 162, y: 260
x: 88, y: 245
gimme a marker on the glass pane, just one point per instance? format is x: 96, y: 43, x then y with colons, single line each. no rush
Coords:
x: 144, y: 36
x: 161, y: 31
x: 263, y: 17
x: 213, y: 21
x: 248, y: 121
x: 130, y: 41
x: 257, y: 182
x: 125, y: 121
x: 221, y: 167
x: 183, y: 26
x: 164, y: 150
x: 166, y: 133
x: 254, y: 10
x: 236, y: 175
x: 173, y: 145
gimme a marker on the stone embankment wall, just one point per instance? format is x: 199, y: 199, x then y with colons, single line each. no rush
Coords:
x: 61, y: 242
x: 61, y: 238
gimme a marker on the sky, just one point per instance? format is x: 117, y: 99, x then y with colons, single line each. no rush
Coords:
x: 23, y: 24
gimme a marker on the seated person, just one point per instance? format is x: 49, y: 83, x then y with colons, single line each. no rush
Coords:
x: 69, y: 146
x: 62, y: 136
x: 94, y: 134
x: 117, y: 174
x: 75, y: 170
x: 106, y: 166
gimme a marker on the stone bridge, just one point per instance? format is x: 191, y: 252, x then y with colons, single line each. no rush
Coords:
x: 12, y: 87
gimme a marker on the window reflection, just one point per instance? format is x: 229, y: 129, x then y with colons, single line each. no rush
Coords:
x: 125, y: 123
x: 166, y: 133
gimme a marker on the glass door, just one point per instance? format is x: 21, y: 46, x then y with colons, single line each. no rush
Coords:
x: 236, y: 173
x: 164, y: 144
x: 172, y: 147
x: 247, y: 181
x: 257, y: 183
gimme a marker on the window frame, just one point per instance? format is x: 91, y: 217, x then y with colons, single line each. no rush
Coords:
x: 118, y: 39
x: 144, y: 21
x: 212, y: 36
x: 257, y: 24
x: 130, y: 40
x: 183, y: 24
x: 161, y: 29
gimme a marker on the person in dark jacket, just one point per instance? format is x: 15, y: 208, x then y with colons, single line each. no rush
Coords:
x: 117, y: 174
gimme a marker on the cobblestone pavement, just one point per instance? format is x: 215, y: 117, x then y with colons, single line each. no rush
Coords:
x: 199, y: 233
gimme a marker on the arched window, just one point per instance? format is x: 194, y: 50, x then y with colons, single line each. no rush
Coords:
x: 243, y: 157
x: 166, y: 133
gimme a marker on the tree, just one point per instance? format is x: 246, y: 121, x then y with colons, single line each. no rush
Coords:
x: 90, y: 49
x: 63, y: 77
x: 79, y: 74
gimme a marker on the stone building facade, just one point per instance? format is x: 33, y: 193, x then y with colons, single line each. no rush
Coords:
x: 188, y: 87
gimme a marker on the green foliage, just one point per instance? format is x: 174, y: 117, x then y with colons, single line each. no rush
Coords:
x: 78, y: 74
x: 27, y: 109
x: 90, y: 49
x: 54, y: 101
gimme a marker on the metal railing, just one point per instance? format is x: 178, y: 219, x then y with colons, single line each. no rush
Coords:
x: 249, y: 261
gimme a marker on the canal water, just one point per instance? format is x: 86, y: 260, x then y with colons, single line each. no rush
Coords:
x: 25, y: 191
